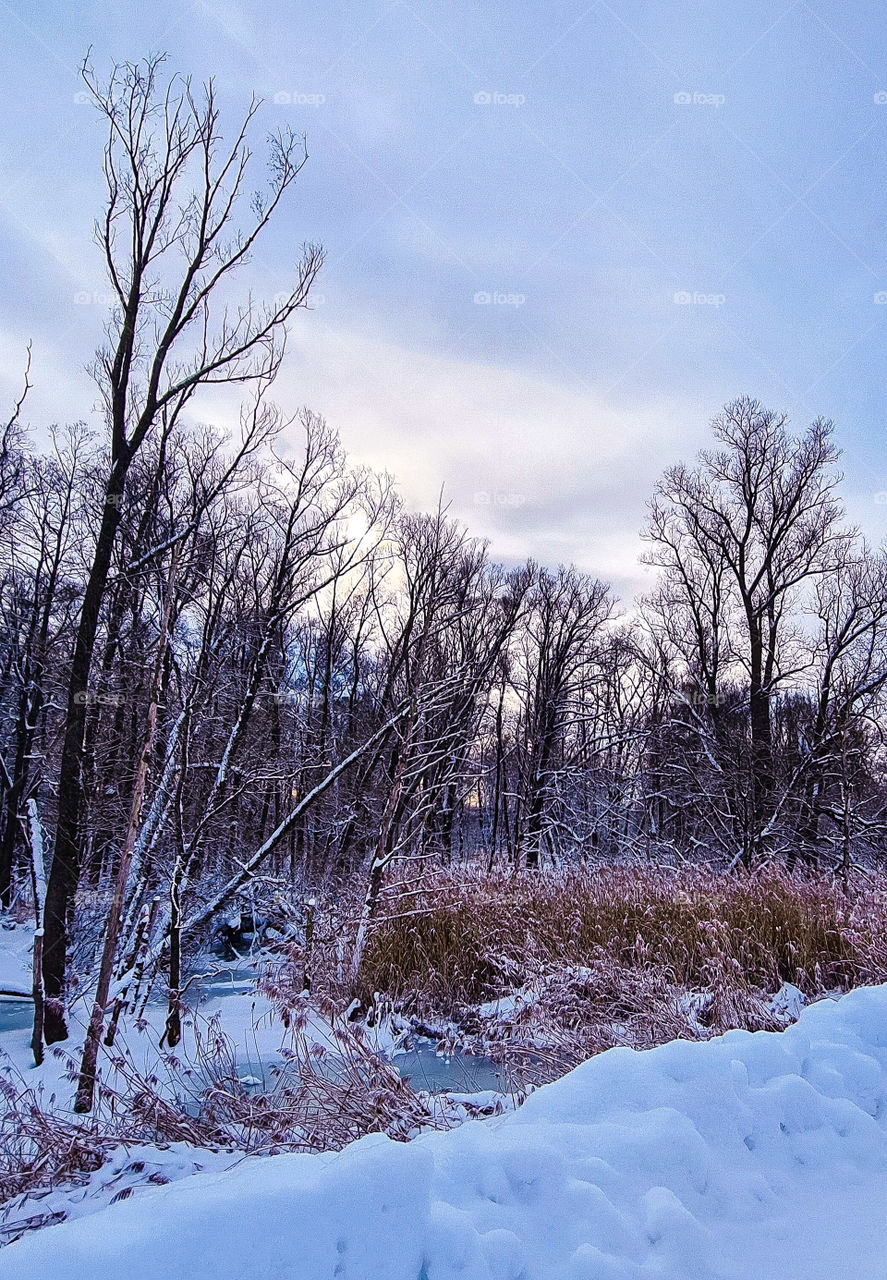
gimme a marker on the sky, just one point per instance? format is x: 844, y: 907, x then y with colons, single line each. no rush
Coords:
x: 558, y: 237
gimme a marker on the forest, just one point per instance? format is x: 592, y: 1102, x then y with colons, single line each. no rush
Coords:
x: 250, y: 701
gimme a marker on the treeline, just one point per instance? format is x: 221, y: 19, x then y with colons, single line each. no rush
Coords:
x: 224, y: 662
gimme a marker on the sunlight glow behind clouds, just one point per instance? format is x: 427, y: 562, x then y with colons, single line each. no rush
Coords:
x: 566, y: 478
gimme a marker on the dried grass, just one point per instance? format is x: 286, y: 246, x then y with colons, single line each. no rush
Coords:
x: 469, y: 938
x: 320, y: 1099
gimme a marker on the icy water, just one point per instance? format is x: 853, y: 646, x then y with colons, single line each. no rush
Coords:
x: 427, y: 1072
x: 15, y: 1015
x: 234, y: 981
x: 421, y: 1066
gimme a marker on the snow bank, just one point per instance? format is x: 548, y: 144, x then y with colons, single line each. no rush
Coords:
x: 753, y: 1155
x: 128, y: 1167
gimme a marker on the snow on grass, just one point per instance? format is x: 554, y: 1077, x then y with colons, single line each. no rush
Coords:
x: 129, y: 1166
x: 505, y: 1008
x: 756, y: 1155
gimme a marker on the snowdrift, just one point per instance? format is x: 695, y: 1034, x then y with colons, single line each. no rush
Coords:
x: 754, y: 1155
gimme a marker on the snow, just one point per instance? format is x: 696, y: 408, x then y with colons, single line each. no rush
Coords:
x: 754, y: 1155
x: 506, y: 1007
x: 127, y: 1168
x: 788, y: 1002
x: 16, y: 942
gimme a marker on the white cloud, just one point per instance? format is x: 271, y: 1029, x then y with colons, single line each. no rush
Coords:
x: 539, y: 470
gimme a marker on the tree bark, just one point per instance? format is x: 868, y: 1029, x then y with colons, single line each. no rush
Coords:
x: 86, y: 1082
x: 68, y: 848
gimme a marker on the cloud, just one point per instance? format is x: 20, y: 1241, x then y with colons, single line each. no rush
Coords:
x: 537, y: 469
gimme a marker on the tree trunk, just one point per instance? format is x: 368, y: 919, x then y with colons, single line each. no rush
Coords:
x: 172, y: 1032
x: 761, y: 751
x: 86, y: 1082
x: 38, y: 882
x: 68, y: 849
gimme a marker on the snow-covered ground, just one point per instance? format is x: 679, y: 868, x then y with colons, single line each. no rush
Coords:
x: 757, y: 1156
x: 15, y: 957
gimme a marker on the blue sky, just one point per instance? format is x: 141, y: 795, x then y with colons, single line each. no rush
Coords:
x: 546, y: 268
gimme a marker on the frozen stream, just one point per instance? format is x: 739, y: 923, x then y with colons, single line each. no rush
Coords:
x: 428, y: 1072
x: 421, y: 1065
x: 15, y: 1014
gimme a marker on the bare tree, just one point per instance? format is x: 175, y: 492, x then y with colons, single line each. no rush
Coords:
x: 173, y: 233
x: 567, y: 610
x: 758, y: 518
x: 836, y: 740
x: 36, y: 607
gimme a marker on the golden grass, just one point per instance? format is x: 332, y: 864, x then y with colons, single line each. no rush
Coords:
x: 467, y: 938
